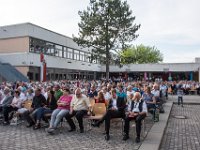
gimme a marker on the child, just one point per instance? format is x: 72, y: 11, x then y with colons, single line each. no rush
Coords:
x: 180, y: 96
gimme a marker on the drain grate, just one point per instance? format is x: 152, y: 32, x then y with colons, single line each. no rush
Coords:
x: 180, y: 117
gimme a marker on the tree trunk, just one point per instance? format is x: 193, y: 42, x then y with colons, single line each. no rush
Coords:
x: 107, y: 48
x: 107, y: 65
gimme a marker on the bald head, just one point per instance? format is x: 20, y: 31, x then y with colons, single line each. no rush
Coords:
x: 137, y: 96
x: 78, y: 92
x: 155, y: 86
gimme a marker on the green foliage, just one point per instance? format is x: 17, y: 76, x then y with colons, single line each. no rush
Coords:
x: 141, y: 54
x: 106, y: 25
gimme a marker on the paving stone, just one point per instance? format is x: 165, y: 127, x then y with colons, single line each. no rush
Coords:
x: 183, y: 133
x: 20, y: 137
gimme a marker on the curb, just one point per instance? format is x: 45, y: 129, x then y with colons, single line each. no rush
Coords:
x: 188, y: 103
x: 155, y: 135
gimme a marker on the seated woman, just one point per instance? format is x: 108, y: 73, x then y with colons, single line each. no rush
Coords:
x: 100, y: 98
x: 150, y: 100
x: 30, y: 94
x: 51, y: 105
x: 61, y: 111
x: 14, y: 106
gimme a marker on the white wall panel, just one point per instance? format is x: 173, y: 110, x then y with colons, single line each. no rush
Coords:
x: 31, y: 59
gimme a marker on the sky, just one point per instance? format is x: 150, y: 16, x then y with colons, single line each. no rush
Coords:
x: 172, y: 26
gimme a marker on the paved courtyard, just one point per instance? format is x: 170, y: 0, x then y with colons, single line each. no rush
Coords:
x: 183, y: 134
x: 22, y: 138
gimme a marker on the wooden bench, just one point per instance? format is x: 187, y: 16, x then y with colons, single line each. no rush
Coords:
x: 192, y: 92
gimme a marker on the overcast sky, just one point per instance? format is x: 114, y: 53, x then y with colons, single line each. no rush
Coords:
x: 173, y: 26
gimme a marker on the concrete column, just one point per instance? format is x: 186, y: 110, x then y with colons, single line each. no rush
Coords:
x: 95, y: 75
x: 191, y: 76
x: 150, y: 76
x: 170, y: 76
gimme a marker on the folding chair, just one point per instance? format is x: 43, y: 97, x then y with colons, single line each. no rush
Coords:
x: 98, y: 111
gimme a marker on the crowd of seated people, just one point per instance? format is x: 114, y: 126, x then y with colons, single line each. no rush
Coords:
x: 72, y: 100
x: 186, y: 86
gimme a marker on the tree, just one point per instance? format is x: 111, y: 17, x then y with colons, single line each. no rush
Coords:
x: 141, y: 54
x: 106, y: 26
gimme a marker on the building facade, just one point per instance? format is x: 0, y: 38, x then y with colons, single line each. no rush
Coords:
x: 22, y: 44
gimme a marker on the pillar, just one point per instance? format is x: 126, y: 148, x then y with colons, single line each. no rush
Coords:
x: 191, y: 76
x: 170, y: 76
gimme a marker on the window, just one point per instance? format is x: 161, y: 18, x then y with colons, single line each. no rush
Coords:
x: 82, y: 56
x: 58, y: 51
x: 64, y: 52
x: 52, y: 49
x: 69, y: 53
x: 76, y: 54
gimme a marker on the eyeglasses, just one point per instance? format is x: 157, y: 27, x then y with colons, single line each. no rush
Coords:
x: 78, y: 94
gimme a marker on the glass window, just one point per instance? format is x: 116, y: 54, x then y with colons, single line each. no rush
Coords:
x: 50, y: 49
x: 69, y: 53
x: 64, y: 52
x: 82, y: 57
x: 58, y: 51
x: 37, y: 46
x: 76, y: 54
x: 87, y: 57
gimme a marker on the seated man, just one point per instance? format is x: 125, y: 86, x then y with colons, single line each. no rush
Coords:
x: 6, y: 100
x: 38, y: 102
x: 79, y: 107
x: 137, y: 110
x: 116, y: 109
x: 92, y: 92
x: 14, y: 106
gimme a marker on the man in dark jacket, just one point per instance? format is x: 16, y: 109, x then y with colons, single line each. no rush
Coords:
x: 6, y: 101
x: 38, y: 101
x: 137, y: 110
x: 116, y: 109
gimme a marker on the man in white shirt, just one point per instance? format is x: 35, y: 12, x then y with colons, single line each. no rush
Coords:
x: 106, y: 94
x: 137, y: 110
x: 163, y: 89
x: 156, y: 92
x: 79, y: 107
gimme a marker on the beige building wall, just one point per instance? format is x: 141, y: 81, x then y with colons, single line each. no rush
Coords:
x: 23, y: 70
x: 13, y: 45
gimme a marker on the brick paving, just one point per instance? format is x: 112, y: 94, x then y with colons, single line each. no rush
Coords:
x: 183, y: 134
x: 21, y: 138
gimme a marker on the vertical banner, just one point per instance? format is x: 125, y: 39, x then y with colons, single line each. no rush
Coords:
x: 145, y: 76
x: 41, y: 72
x: 43, y: 68
x: 44, y: 71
